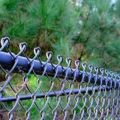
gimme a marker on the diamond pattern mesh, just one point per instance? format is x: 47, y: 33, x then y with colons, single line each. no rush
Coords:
x: 33, y: 89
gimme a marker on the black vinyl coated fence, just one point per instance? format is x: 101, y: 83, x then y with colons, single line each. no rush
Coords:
x: 37, y: 90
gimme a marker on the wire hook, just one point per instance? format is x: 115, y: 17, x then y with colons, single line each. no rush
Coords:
x: 5, y: 42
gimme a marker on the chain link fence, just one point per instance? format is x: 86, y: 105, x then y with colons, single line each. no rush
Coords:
x: 37, y: 90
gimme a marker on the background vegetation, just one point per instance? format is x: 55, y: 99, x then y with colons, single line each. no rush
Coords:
x: 88, y: 30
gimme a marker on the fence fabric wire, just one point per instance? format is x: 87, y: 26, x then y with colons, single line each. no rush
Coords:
x: 33, y: 89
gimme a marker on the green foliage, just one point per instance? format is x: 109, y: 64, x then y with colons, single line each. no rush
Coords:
x: 52, y: 24
x: 100, y: 32
x: 41, y: 21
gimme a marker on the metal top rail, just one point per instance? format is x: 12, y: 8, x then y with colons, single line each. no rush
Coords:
x: 7, y: 61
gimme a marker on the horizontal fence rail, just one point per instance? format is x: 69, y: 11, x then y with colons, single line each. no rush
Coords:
x: 38, y: 67
x: 35, y: 89
x: 89, y: 90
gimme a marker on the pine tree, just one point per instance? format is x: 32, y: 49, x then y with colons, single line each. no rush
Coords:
x: 42, y: 22
x: 100, y: 32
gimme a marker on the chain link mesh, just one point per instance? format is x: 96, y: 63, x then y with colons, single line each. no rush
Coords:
x: 33, y: 89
